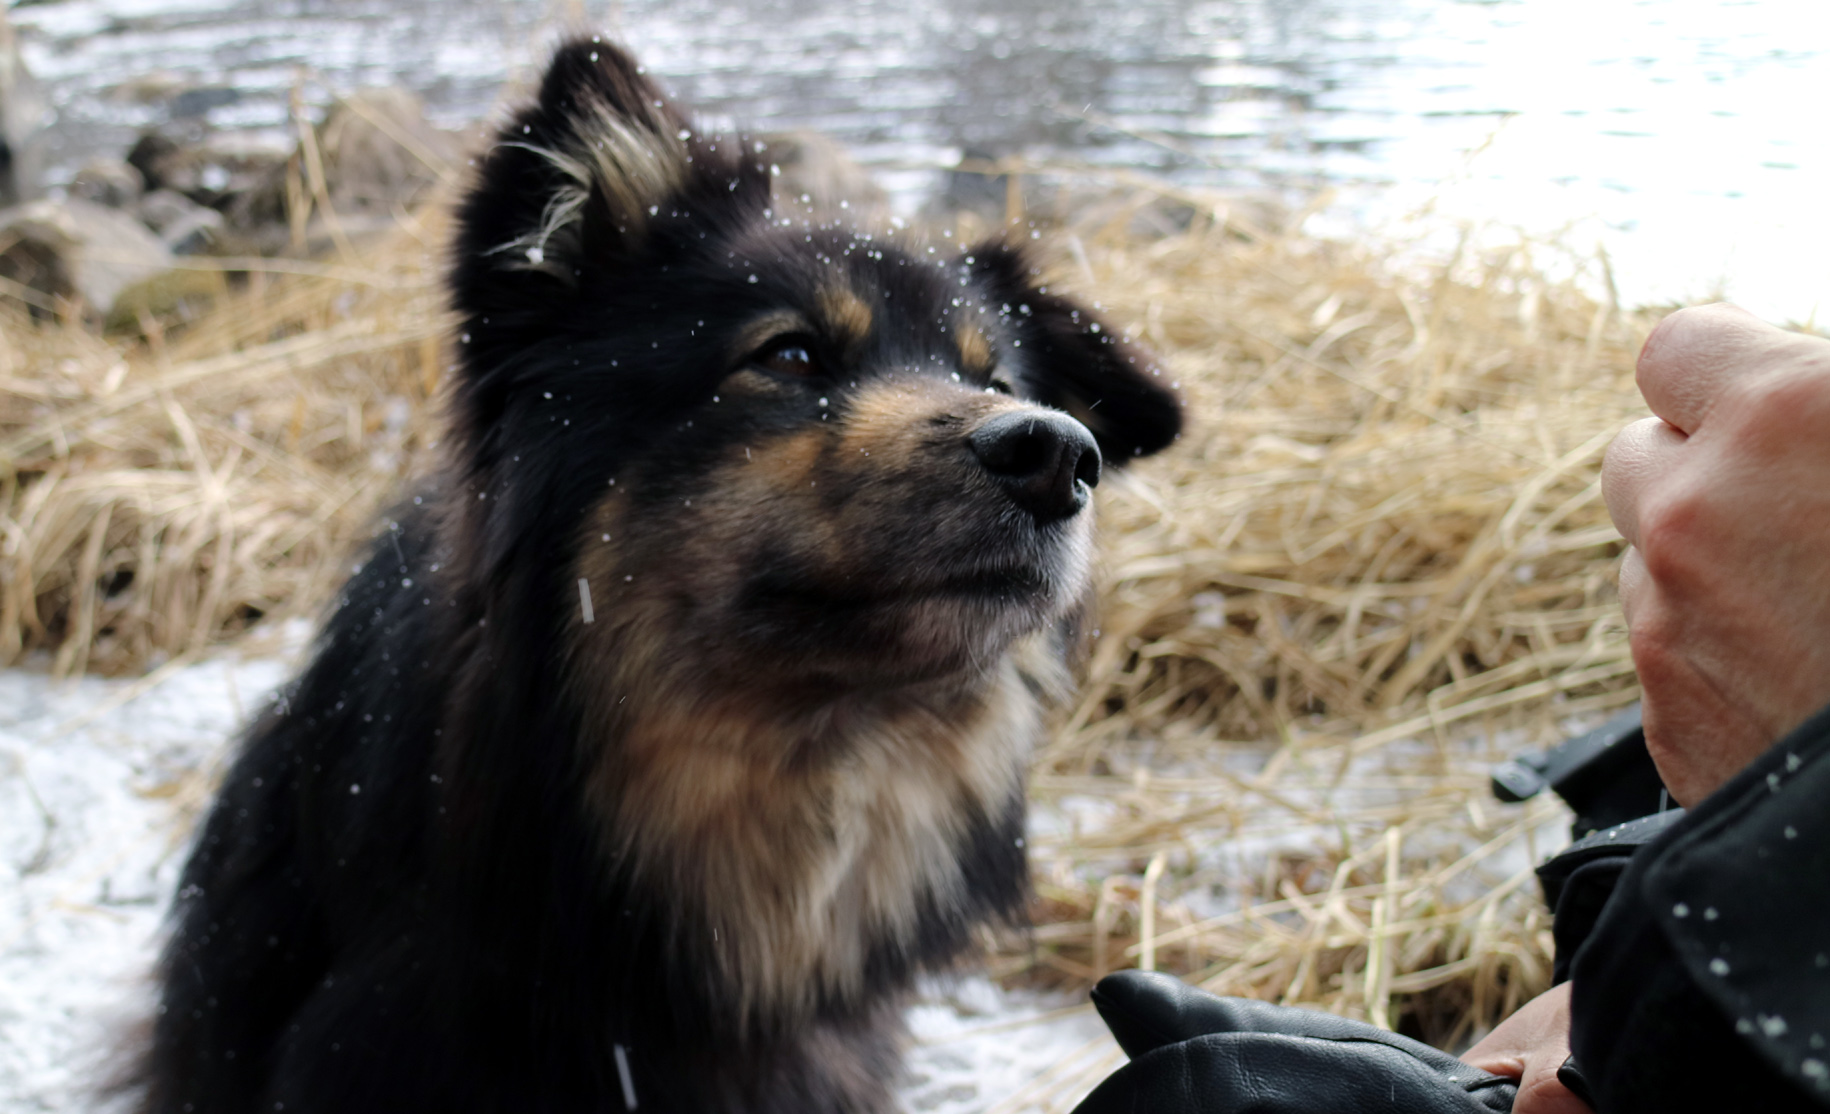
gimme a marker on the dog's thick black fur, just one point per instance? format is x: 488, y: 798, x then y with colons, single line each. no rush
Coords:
x: 667, y: 734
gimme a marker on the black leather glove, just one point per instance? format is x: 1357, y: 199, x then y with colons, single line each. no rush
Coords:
x: 1194, y: 1053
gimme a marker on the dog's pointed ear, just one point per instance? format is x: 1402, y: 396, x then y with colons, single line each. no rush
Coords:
x: 1076, y: 362
x: 577, y: 181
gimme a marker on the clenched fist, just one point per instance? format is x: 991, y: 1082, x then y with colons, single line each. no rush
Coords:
x: 1724, y: 497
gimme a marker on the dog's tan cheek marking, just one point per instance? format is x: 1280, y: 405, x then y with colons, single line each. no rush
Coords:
x: 635, y: 618
x: 601, y: 544
x: 685, y: 564
x: 632, y: 626
x: 779, y: 465
x: 768, y: 489
x: 751, y: 383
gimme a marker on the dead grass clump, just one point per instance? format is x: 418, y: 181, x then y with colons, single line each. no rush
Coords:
x: 158, y: 493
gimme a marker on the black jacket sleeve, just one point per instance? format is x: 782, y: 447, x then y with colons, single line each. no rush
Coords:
x: 1580, y: 879
x: 1195, y: 1053
x: 1704, y: 983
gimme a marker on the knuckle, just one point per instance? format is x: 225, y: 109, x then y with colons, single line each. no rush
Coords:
x: 1655, y: 643
x: 1628, y: 464
x: 1793, y: 400
x: 1701, y: 337
x: 1677, y: 332
x: 1628, y: 453
x: 1673, y: 530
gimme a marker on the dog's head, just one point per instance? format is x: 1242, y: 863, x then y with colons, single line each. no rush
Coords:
x: 804, y: 451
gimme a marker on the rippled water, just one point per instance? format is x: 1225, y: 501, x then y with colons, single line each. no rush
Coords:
x: 1686, y: 135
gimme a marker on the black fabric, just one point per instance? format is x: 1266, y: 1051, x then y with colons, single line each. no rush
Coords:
x: 1578, y: 881
x: 1606, y: 776
x: 1579, y: 909
x: 1195, y: 1053
x: 1705, y: 984
x: 1569, y: 1073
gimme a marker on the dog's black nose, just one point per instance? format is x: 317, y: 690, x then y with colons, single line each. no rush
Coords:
x: 1046, y: 461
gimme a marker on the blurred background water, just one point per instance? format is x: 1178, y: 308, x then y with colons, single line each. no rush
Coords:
x: 1687, y: 137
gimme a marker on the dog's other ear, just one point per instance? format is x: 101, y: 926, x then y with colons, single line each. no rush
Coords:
x: 574, y: 182
x: 1076, y: 362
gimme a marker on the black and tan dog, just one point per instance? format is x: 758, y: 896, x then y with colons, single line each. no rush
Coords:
x: 682, y: 721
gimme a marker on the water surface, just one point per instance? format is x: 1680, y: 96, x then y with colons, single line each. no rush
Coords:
x: 1685, y: 135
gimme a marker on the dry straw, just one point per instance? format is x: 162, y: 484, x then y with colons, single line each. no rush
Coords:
x: 159, y: 493
x: 1377, y: 560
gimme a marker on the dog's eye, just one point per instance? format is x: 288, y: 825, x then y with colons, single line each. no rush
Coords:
x: 789, y: 356
x: 1001, y: 385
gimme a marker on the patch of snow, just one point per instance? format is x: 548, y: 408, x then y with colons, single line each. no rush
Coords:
x: 978, y: 1049
x: 95, y: 777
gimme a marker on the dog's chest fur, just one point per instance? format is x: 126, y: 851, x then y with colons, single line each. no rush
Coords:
x: 803, y: 849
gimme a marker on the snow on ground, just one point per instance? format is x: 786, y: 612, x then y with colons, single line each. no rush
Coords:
x: 95, y: 779
x: 98, y: 781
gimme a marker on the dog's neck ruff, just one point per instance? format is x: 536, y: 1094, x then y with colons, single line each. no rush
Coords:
x: 799, y: 852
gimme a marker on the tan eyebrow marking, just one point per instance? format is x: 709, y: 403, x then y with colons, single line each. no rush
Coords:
x: 974, y: 350
x: 847, y: 316
x: 770, y: 325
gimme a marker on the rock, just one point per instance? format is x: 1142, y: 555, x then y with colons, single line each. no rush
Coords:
x: 181, y: 157
x: 185, y: 227
x: 22, y: 116
x: 191, y: 104
x: 975, y: 187
x: 109, y: 182
x: 167, y: 296
x: 258, y: 217
x: 152, y: 89
x: 817, y: 173
x: 245, y: 188
x: 380, y: 153
x: 75, y: 250
x: 166, y: 163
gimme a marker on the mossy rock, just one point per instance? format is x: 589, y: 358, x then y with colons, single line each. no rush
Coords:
x: 170, y: 297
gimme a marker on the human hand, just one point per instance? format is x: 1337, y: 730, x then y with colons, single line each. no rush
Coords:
x: 1195, y: 1053
x: 1725, y: 500
x: 1530, y: 1046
